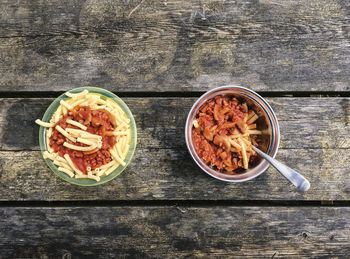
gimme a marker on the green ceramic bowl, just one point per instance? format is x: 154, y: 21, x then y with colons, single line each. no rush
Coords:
x: 105, y: 94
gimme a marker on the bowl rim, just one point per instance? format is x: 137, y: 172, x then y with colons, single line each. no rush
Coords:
x: 273, y: 144
x: 133, y: 141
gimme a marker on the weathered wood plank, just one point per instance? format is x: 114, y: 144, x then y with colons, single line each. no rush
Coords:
x: 314, y: 141
x: 171, y: 174
x: 178, y: 232
x: 305, y: 122
x: 135, y: 45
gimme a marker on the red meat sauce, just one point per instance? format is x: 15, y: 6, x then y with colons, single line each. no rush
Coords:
x: 100, y: 122
x: 219, y: 116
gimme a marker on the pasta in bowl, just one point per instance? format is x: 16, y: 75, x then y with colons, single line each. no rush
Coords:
x: 87, y: 136
x: 221, y: 129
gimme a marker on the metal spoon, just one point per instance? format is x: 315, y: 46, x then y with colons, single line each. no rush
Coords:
x: 295, y: 178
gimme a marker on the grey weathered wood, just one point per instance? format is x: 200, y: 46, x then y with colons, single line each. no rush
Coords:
x: 308, y: 123
x: 170, y: 174
x: 270, y: 45
x: 177, y: 232
x: 314, y: 141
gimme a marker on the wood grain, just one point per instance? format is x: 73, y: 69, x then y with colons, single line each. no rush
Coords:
x: 305, y: 123
x: 314, y: 141
x: 176, y: 46
x: 127, y: 46
x: 171, y: 174
x: 177, y: 232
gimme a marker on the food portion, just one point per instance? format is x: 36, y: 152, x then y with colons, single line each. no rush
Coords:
x: 87, y: 136
x: 223, y: 132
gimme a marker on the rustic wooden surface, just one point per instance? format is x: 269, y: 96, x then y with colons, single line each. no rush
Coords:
x: 160, y: 56
x: 314, y: 141
x: 172, y: 45
x: 178, y: 232
x: 306, y: 123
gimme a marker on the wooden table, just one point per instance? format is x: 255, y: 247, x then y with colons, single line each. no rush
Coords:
x: 160, y: 56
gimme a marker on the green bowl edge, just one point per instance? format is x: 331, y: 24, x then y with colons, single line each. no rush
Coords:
x: 133, y: 142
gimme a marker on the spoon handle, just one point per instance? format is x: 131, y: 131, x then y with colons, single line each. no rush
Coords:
x: 295, y: 178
